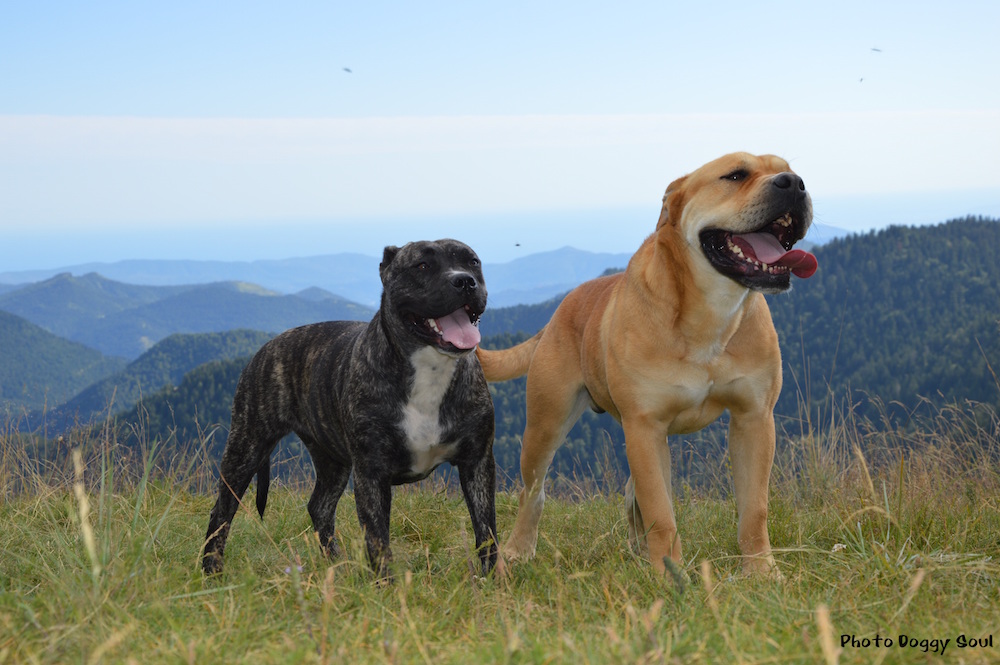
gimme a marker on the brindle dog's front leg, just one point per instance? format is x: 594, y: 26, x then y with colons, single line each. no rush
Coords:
x: 478, y: 486
x: 644, y: 440
x: 751, y: 451
x: 373, y: 498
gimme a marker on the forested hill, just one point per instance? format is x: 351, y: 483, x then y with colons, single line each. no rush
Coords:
x: 897, y: 315
x: 164, y: 365
x: 39, y: 368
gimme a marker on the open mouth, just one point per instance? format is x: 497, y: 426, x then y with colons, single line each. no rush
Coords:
x: 458, y: 331
x: 763, y: 259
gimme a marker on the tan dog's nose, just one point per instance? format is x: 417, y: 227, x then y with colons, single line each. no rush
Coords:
x: 788, y: 181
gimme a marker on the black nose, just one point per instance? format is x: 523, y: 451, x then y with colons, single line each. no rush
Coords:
x: 464, y: 282
x: 788, y: 181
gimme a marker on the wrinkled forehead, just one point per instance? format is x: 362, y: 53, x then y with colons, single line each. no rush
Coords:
x: 440, y: 249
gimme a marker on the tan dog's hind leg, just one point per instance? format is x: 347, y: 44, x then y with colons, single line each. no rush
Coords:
x: 751, y: 451
x: 649, y: 463
x: 552, y: 411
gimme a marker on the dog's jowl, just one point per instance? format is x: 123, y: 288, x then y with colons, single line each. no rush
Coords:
x: 389, y: 400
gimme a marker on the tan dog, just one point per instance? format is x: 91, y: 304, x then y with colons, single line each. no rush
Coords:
x: 665, y: 347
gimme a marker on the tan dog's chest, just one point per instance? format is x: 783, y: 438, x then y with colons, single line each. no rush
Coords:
x: 684, y: 396
x: 647, y: 370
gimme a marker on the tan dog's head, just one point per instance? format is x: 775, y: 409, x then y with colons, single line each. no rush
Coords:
x: 742, y: 214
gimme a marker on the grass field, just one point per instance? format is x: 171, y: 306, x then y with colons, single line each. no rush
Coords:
x: 880, y: 534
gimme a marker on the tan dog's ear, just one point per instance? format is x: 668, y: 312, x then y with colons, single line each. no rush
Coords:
x: 673, y: 203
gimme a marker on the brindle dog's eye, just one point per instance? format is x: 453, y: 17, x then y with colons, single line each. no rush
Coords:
x: 422, y: 266
x: 474, y: 263
x: 736, y: 176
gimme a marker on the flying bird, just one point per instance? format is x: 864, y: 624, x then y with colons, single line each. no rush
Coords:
x: 877, y: 50
x: 348, y: 70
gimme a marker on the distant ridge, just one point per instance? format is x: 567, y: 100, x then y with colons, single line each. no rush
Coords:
x: 523, y: 281
x: 126, y: 319
x: 530, y: 279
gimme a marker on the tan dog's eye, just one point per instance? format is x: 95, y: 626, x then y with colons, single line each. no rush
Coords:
x: 736, y: 176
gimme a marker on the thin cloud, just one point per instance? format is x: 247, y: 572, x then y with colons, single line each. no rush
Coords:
x: 126, y: 170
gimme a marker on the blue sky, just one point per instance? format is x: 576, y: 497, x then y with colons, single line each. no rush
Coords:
x: 233, y: 131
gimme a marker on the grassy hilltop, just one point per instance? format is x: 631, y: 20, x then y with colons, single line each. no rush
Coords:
x: 100, y: 564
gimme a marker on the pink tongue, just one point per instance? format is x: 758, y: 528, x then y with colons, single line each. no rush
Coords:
x: 458, y: 330
x: 768, y: 250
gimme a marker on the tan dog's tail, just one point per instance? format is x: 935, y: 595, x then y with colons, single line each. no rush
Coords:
x: 506, y: 364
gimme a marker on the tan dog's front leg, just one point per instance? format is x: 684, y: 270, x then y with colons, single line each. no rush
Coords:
x: 751, y: 451
x: 649, y: 464
x: 636, y: 523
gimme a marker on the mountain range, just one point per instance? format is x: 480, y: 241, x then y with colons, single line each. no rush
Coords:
x: 893, y: 325
x: 353, y: 277
x: 890, y: 320
x: 527, y: 280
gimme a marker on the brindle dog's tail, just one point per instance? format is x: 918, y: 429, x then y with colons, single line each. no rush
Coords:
x: 506, y: 364
x: 263, y: 483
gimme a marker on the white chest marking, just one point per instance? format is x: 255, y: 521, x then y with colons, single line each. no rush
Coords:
x: 421, y: 414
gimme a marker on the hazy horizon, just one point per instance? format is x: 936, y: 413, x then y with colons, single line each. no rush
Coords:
x: 498, y: 238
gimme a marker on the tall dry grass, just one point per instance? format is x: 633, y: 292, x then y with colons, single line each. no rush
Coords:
x: 881, y: 527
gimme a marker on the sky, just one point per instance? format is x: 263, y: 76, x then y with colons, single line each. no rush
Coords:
x: 259, y: 130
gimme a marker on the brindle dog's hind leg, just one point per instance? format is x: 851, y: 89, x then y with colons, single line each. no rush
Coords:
x: 242, y: 458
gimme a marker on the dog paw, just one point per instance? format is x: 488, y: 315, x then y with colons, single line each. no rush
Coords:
x: 211, y: 563
x: 515, y: 551
x: 762, y: 567
x: 500, y: 568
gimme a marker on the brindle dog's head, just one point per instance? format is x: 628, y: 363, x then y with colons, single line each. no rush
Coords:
x: 433, y: 294
x: 743, y: 214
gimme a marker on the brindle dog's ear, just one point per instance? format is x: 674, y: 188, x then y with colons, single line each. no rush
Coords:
x: 387, y: 256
